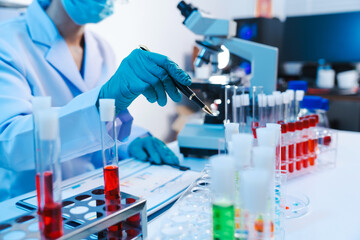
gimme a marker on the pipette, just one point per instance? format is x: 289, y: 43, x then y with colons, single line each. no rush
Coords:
x: 186, y: 91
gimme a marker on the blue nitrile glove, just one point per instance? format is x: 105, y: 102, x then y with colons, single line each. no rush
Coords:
x: 152, y: 149
x: 147, y: 73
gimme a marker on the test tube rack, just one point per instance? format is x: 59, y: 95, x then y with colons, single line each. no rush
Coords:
x: 84, y: 217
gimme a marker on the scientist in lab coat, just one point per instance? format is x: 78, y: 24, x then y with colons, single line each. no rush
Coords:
x: 49, y: 52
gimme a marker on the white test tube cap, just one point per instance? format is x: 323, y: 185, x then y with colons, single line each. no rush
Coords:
x: 223, y: 177
x: 40, y: 103
x: 255, y: 190
x: 266, y: 137
x: 299, y: 95
x: 48, y: 122
x: 236, y: 99
x: 285, y: 97
x: 107, y: 109
x: 291, y: 94
x: 278, y: 98
x: 231, y: 129
x: 245, y: 100
x: 262, y: 100
x: 271, y: 100
x: 241, y: 149
x: 264, y: 158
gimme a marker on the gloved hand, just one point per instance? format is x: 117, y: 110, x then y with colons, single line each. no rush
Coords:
x: 152, y: 149
x: 146, y: 73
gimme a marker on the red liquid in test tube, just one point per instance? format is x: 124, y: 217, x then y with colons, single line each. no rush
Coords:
x: 311, y: 141
x: 291, y: 146
x: 51, y: 222
x: 254, y: 126
x: 112, y: 196
x: 305, y: 144
x: 299, y: 146
x: 284, y: 146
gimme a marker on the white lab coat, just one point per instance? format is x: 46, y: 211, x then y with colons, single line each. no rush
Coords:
x: 35, y: 61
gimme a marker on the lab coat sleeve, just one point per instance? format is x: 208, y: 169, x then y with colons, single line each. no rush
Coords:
x: 79, y: 120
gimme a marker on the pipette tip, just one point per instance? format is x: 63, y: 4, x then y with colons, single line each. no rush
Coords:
x: 207, y: 110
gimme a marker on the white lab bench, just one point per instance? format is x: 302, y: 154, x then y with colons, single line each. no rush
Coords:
x: 334, y: 197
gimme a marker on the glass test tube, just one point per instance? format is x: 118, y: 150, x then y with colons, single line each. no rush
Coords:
x: 256, y: 192
x: 286, y: 107
x: 38, y: 104
x: 233, y: 103
x: 305, y: 144
x: 278, y: 106
x: 299, y: 95
x: 299, y: 147
x: 262, y: 104
x: 284, y: 148
x: 256, y: 110
x: 312, y: 139
x: 271, y: 109
x: 48, y: 174
x: 245, y: 114
x: 291, y: 95
x: 291, y: 147
x: 223, y: 188
x: 110, y: 161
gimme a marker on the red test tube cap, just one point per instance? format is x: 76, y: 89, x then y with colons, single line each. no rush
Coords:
x: 316, y: 118
x: 283, y: 128
x: 312, y: 122
x: 305, y: 123
x: 301, y: 118
x: 298, y: 125
x: 291, y: 127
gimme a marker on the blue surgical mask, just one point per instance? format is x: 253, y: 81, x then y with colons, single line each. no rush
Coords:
x: 88, y: 11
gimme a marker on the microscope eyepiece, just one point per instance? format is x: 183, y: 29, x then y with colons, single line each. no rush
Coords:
x: 185, y: 9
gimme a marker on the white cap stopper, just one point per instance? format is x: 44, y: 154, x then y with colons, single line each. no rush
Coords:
x: 223, y: 178
x: 41, y: 103
x: 48, y: 122
x: 286, y: 98
x: 262, y: 100
x: 264, y: 158
x: 291, y: 94
x: 278, y: 99
x: 231, y: 129
x: 266, y: 137
x: 107, y: 109
x: 255, y: 190
x: 236, y: 100
x: 271, y: 100
x: 241, y: 149
x: 245, y: 100
x: 299, y: 95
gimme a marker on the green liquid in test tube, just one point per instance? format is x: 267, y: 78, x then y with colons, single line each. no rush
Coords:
x: 223, y: 221
x: 222, y: 190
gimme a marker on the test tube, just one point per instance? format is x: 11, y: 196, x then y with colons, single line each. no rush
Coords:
x: 256, y: 110
x: 291, y: 95
x: 305, y: 144
x: 299, y: 95
x: 245, y: 114
x: 312, y: 139
x: 233, y: 103
x: 284, y: 147
x: 223, y: 188
x: 262, y: 104
x: 241, y: 151
x: 256, y: 192
x: 286, y: 107
x: 110, y: 161
x: 291, y: 147
x: 278, y: 106
x: 299, y: 147
x: 48, y: 174
x: 38, y: 104
x: 271, y: 108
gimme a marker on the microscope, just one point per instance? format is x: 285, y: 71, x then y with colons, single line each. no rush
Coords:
x: 202, y: 139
